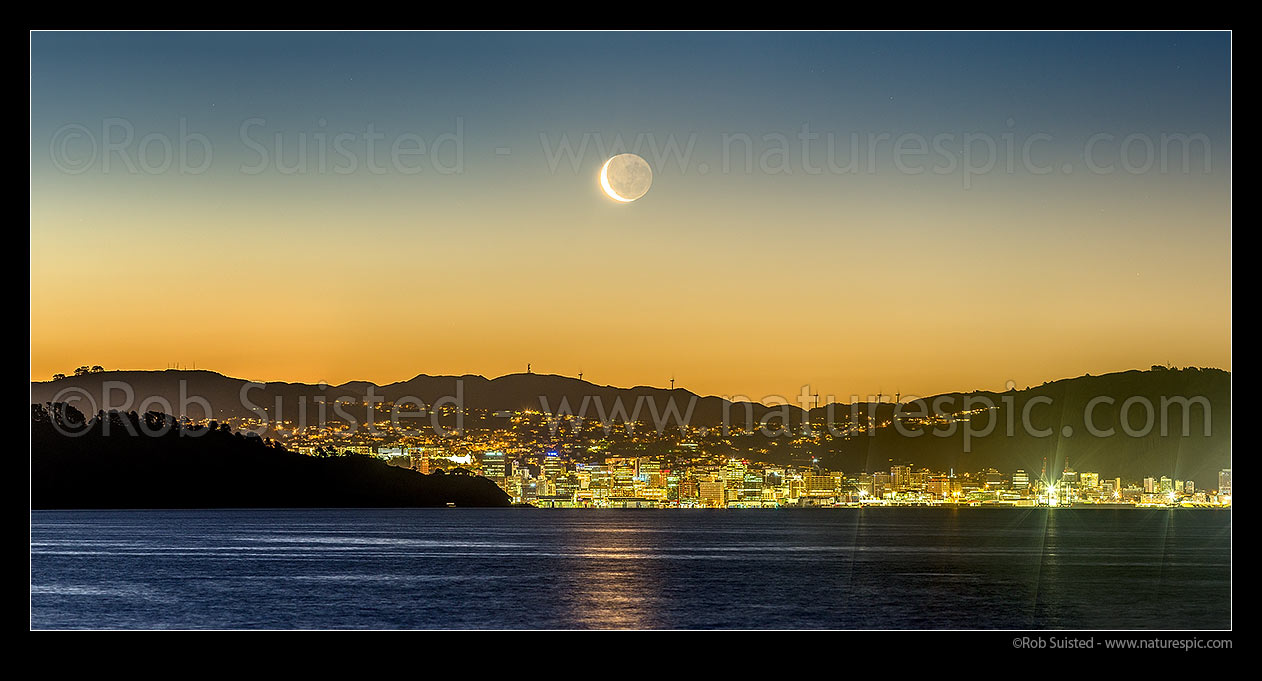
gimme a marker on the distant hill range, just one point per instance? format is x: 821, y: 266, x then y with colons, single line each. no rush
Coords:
x: 506, y: 393
x: 122, y: 460
x: 1058, y: 435
x: 1056, y: 415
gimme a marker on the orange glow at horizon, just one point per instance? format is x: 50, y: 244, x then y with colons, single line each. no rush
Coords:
x: 967, y: 292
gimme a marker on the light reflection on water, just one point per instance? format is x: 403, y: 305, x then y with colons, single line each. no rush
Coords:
x: 515, y: 568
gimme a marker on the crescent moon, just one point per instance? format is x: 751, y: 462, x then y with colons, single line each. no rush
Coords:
x: 604, y: 183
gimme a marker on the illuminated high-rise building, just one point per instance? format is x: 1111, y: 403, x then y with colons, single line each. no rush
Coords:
x: 671, y: 480
x: 689, y: 490
x: 513, y: 485
x: 492, y: 467
x: 1224, y: 481
x: 553, y: 467
x: 601, y: 480
x: 712, y: 492
x: 821, y: 486
x: 751, y: 486
x: 900, y: 477
x: 566, y: 485
x: 649, y: 472
x: 418, y: 457
x: 939, y: 486
x: 880, y: 485
x: 623, y: 476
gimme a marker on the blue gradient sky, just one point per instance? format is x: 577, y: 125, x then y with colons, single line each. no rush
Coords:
x: 752, y: 280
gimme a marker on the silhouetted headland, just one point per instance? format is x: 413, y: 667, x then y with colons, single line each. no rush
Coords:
x: 130, y: 460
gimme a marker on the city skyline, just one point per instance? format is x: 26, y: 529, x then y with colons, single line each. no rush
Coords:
x: 1128, y: 424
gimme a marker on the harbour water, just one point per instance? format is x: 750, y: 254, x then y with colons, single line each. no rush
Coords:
x: 870, y: 568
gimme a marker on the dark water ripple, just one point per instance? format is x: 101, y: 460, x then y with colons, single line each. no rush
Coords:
x: 895, y: 568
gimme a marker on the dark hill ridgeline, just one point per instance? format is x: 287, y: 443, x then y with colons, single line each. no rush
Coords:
x: 510, y: 392
x: 1055, y: 408
x: 1193, y: 455
x: 108, y: 462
